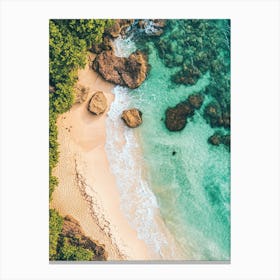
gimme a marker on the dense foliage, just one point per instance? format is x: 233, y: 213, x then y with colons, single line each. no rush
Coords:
x: 61, y: 247
x: 70, y: 252
x: 55, y: 228
x: 90, y: 30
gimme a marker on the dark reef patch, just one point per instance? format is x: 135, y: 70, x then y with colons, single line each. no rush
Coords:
x: 176, y: 117
x: 219, y: 138
x: 198, y: 47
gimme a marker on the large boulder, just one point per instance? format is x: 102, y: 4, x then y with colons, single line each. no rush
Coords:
x: 130, y: 72
x: 98, y: 103
x: 132, y: 117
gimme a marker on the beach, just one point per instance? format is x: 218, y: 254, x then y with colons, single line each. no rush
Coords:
x: 87, y: 190
x: 159, y: 190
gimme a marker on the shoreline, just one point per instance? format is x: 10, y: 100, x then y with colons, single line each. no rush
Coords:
x: 114, y: 178
x: 138, y: 202
x: 83, y: 169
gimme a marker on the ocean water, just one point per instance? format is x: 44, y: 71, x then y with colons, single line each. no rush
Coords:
x: 189, y: 189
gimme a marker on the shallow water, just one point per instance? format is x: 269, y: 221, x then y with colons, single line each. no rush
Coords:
x: 177, y: 173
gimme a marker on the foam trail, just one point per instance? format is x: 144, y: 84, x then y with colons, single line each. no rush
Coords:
x: 137, y: 201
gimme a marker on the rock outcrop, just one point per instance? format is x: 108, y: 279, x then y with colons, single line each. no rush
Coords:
x: 132, y: 117
x: 105, y: 45
x: 176, y: 117
x: 130, y: 72
x: 119, y: 27
x: 73, y: 231
x: 98, y: 103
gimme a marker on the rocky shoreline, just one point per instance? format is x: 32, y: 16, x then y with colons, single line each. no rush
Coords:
x: 204, y: 45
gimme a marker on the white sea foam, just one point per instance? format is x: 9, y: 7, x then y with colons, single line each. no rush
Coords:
x: 137, y: 201
x: 150, y: 28
x: 123, y: 47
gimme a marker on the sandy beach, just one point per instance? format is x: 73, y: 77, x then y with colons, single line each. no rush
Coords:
x: 87, y: 190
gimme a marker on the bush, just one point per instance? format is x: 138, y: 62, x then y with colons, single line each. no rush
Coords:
x: 90, y: 30
x: 55, y: 228
x: 69, y: 252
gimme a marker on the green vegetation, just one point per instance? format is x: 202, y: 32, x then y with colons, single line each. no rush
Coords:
x: 69, y: 252
x: 55, y: 228
x: 68, y: 44
x: 90, y: 30
x: 64, y: 248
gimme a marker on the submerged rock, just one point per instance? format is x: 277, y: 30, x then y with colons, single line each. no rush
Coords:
x: 215, y: 139
x: 218, y: 138
x: 196, y: 100
x: 130, y: 72
x: 176, y: 117
x: 132, y: 117
x: 215, y: 115
x: 196, y: 47
x: 98, y: 103
x: 226, y: 140
x: 187, y: 76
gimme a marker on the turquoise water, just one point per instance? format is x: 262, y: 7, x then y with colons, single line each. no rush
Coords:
x: 191, y: 188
